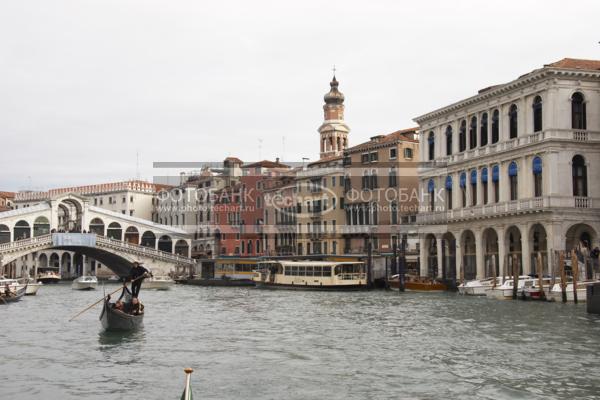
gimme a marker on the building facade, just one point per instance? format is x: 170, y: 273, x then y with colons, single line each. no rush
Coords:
x: 510, y: 173
x: 380, y: 187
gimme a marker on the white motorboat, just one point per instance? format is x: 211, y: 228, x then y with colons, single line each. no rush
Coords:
x: 158, y: 283
x: 533, y: 292
x: 85, y: 282
x: 478, y: 287
x: 505, y: 290
x: 32, y: 286
x: 556, y: 291
x: 48, y: 277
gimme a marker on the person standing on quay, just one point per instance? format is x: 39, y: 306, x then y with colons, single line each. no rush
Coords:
x: 137, y: 275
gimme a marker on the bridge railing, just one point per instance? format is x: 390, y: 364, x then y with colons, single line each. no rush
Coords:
x: 23, y: 243
x: 148, y: 251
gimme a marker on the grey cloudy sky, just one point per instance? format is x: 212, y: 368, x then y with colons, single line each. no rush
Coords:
x: 84, y: 85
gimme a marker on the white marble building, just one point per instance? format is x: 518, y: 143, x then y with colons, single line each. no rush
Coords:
x: 512, y: 174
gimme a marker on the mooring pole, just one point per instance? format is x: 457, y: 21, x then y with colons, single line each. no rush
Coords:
x: 575, y: 270
x: 563, y: 276
x: 515, y: 271
x: 540, y: 269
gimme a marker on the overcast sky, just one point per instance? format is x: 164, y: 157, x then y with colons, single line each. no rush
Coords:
x: 84, y: 85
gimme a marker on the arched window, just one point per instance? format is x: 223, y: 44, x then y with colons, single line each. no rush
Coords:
x: 249, y: 248
x: 495, y: 126
x: 114, y: 231
x: 431, y: 191
x: 579, y: 176
x: 393, y: 177
x: 513, y: 126
x: 537, y: 114
x: 448, y: 140
x: 473, y: 133
x: 496, y: 182
x: 463, y: 188
x: 578, y: 117
x: 431, y: 146
x: 365, y: 179
x: 537, y: 176
x: 513, y: 180
x: 474, y: 187
x: 448, y: 192
x: 484, y: 184
x: 483, y: 130
x: 462, y: 136
x: 22, y: 230
x: 41, y: 226
x: 374, y: 184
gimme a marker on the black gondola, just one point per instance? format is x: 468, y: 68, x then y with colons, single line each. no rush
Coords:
x: 14, y: 296
x: 117, y: 320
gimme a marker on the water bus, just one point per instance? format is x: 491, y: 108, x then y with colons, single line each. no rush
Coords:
x: 311, y: 275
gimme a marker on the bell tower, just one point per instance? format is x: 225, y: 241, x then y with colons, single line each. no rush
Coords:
x: 333, y: 131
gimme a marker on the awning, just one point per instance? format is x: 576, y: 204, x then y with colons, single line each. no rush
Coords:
x: 484, y: 175
x: 448, y: 182
x: 537, y: 165
x: 512, y: 169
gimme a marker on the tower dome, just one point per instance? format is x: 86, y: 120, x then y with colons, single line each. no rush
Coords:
x: 334, y: 96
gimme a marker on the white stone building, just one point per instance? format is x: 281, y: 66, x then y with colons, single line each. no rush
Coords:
x: 512, y: 173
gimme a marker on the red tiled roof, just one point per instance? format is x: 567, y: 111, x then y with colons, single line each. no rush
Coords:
x: 402, y: 135
x: 7, y: 195
x: 574, y: 63
x: 325, y: 160
x: 266, y: 164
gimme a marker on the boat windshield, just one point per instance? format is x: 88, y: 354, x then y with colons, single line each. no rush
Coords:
x: 307, y: 270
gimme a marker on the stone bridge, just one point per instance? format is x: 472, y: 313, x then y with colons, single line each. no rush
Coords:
x: 70, y: 223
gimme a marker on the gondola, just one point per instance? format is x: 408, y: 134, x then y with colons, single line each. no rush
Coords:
x: 116, y: 320
x: 21, y: 290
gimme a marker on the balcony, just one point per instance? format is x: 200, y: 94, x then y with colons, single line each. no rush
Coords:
x: 522, y: 141
x: 521, y: 206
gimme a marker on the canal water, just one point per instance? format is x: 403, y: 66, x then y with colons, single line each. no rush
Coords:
x: 254, y: 344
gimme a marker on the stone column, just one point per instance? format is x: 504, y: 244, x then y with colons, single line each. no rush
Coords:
x: 422, y: 257
x: 479, y: 259
x: 525, y: 249
x: 501, y: 252
x: 459, y: 256
x: 440, y: 259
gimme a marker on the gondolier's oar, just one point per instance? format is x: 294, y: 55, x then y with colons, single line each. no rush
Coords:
x: 101, y: 300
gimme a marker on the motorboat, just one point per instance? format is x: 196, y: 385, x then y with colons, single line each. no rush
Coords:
x: 85, y: 282
x: 478, y: 287
x: 505, y: 290
x: 48, y: 277
x: 556, y: 291
x: 534, y: 292
x: 158, y: 283
x: 32, y: 286
x: 418, y: 284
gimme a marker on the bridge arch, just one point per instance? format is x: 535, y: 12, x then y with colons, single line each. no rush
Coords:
x: 182, y: 248
x: 148, y: 239
x: 114, y: 231
x: 54, y: 261
x: 22, y: 230
x: 66, y: 263
x: 132, y: 235
x: 97, y: 226
x: 41, y: 226
x: 70, y: 213
x: 43, y: 260
x: 4, y: 234
x: 165, y: 243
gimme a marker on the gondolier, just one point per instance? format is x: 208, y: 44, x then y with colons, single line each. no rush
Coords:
x: 137, y: 275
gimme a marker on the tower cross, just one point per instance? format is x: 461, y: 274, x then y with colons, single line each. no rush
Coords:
x: 334, y: 70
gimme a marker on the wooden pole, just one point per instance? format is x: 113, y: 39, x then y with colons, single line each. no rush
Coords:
x: 494, y: 271
x: 515, y: 272
x: 575, y: 270
x: 540, y: 269
x: 563, y: 276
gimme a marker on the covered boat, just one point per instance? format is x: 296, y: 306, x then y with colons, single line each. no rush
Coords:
x: 114, y: 319
x: 48, y: 277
